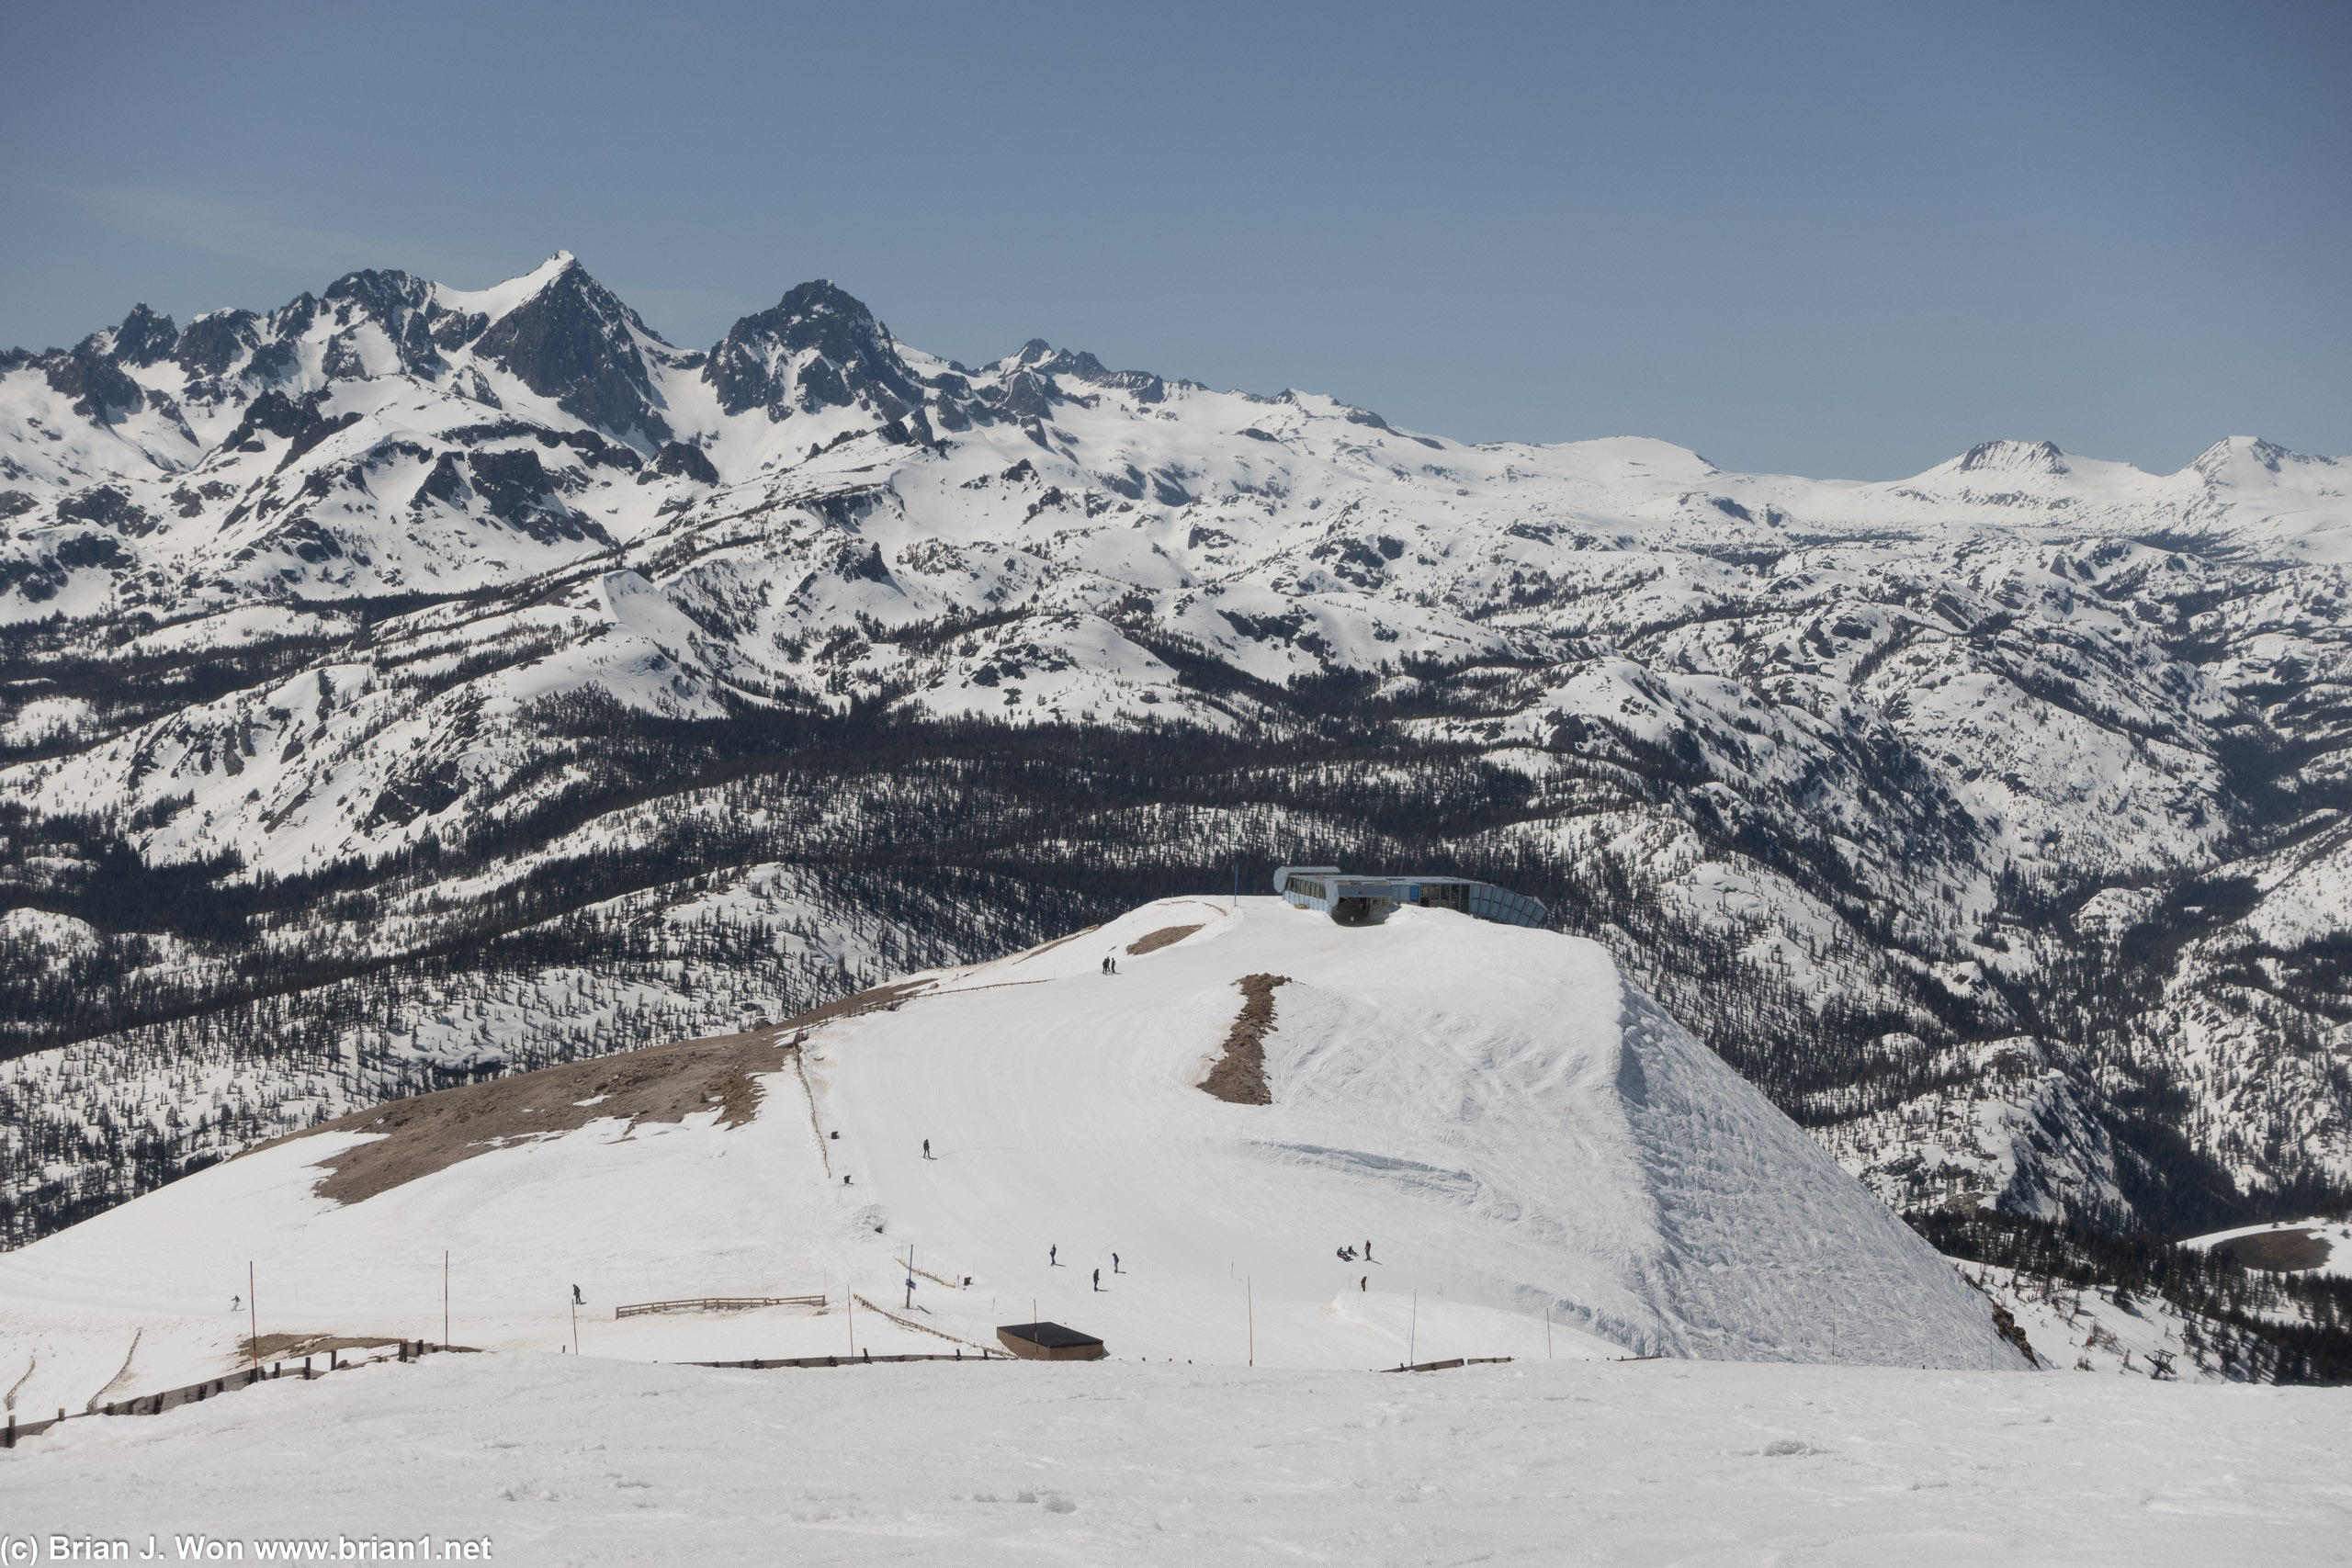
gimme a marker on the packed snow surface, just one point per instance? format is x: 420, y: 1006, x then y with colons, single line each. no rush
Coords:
x: 1538, y: 1159
x: 563, y: 1459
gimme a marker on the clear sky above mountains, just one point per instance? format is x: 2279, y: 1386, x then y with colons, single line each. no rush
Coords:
x: 1834, y: 239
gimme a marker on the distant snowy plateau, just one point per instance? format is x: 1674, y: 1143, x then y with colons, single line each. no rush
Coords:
x: 411, y: 685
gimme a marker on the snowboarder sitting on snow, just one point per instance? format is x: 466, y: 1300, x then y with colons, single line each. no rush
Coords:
x: 1348, y: 1253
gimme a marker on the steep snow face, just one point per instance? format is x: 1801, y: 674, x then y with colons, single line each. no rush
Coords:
x: 1512, y: 1131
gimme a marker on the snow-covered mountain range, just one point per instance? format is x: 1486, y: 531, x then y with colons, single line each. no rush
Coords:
x: 414, y: 682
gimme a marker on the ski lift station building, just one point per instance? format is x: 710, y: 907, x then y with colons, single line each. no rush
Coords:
x: 1356, y: 899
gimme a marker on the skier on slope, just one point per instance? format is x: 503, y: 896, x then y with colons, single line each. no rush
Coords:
x: 1053, y: 1257
x: 1098, y: 1278
x: 1368, y: 1257
x: 1114, y: 1263
x: 577, y: 1299
x: 926, y: 1148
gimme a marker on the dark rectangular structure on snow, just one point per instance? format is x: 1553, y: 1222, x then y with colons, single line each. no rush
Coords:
x: 1356, y: 899
x: 1049, y: 1342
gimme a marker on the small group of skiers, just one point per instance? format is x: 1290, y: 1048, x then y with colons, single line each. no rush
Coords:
x: 1348, y: 1254
x: 1053, y: 1260
x: 1110, y: 963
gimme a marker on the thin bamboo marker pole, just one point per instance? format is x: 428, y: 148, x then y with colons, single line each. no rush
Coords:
x: 575, y: 1328
x: 445, y: 1299
x: 1547, y: 1331
x: 252, y: 1315
x: 1412, y: 1330
x: 1249, y: 1300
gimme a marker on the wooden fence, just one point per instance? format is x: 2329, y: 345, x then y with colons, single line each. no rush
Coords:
x: 860, y: 1360
x: 213, y: 1388
x: 1441, y: 1366
x: 717, y: 1303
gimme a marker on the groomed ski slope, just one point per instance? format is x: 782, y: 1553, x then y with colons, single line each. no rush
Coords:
x: 1507, y: 1120
x: 1516, y: 1131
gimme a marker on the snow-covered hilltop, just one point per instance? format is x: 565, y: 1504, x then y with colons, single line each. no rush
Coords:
x: 414, y: 683
x: 1513, y: 1133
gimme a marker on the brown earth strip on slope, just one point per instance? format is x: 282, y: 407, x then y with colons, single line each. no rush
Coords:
x: 2281, y: 1250
x: 1239, y: 1076
x: 286, y: 1346
x: 660, y: 1083
x: 1161, y: 937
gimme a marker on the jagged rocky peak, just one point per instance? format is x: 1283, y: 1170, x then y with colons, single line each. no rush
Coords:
x: 89, y: 374
x: 216, y: 340
x: 2012, y: 457
x: 400, y: 305
x: 2232, y: 457
x: 1040, y: 357
x: 144, y: 337
x: 818, y: 347
x: 571, y: 339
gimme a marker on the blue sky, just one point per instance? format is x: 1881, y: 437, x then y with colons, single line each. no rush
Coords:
x: 1826, y: 238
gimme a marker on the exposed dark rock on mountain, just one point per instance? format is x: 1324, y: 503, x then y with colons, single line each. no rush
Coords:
x: 573, y: 342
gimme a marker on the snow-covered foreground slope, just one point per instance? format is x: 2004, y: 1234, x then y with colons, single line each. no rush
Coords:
x: 557, y: 1460
x: 1517, y: 1134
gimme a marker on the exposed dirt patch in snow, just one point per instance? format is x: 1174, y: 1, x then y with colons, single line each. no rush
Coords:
x: 874, y: 1001
x: 2281, y: 1250
x: 1239, y: 1076
x: 1159, y: 939
x: 286, y: 1346
x: 662, y: 1083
